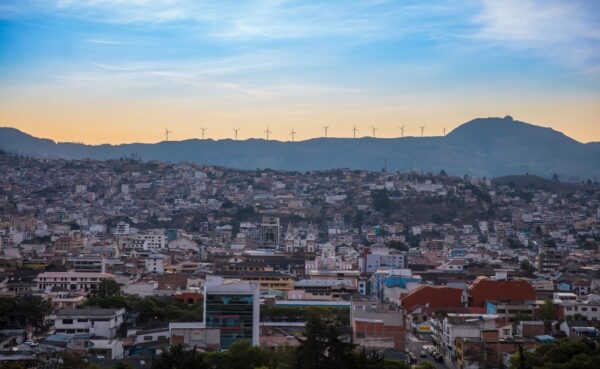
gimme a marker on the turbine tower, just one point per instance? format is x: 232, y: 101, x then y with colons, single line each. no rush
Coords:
x: 203, y: 129
x: 354, y: 130
x: 325, y: 128
x: 268, y: 132
x: 293, y: 134
x: 167, y: 134
x: 422, y: 128
x: 374, y: 130
x: 401, y: 128
x: 444, y: 131
x: 236, y: 132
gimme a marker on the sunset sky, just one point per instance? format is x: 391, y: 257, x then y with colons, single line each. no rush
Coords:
x: 119, y: 71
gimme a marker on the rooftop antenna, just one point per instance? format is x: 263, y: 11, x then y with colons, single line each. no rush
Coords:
x: 268, y: 132
x: 401, y: 128
x: 167, y: 134
x: 236, y: 132
x: 422, y: 128
x: 354, y: 130
x: 293, y: 134
x: 325, y: 128
x: 203, y: 129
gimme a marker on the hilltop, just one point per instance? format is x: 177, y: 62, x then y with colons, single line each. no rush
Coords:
x: 489, y: 147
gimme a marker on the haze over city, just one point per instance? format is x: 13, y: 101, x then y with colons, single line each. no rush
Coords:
x: 123, y: 71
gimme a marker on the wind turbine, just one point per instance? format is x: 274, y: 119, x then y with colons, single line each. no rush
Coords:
x: 268, y: 132
x: 167, y: 134
x: 354, y: 130
x: 325, y: 128
x: 203, y: 129
x: 422, y: 128
x: 374, y: 130
x: 401, y: 131
x: 236, y: 132
x: 293, y: 134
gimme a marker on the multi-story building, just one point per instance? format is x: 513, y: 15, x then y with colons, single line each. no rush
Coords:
x: 270, y: 231
x: 97, y: 322
x: 588, y: 307
x: 72, y: 281
x: 551, y: 260
x: 88, y: 263
x: 381, y: 257
x: 233, y: 307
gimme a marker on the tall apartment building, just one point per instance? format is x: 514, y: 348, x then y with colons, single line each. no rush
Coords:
x: 551, y: 260
x: 232, y: 306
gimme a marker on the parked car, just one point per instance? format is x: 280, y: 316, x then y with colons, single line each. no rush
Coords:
x: 423, y: 353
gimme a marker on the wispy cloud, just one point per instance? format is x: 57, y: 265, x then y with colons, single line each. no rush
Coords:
x: 567, y: 32
x: 106, y: 42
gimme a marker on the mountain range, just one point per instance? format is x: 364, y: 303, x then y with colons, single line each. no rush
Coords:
x: 483, y: 147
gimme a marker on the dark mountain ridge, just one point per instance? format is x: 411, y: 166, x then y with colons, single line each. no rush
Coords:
x: 489, y: 147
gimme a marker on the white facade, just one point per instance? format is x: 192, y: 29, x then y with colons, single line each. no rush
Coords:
x: 97, y: 322
x: 155, y: 263
x: 73, y: 281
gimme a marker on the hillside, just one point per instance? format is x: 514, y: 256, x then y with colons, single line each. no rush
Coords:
x: 489, y: 147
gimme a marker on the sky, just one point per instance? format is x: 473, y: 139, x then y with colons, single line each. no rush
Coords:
x: 118, y: 71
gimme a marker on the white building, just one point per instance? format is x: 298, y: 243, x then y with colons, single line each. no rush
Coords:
x: 588, y: 307
x: 155, y: 263
x: 97, y: 322
x: 154, y: 240
x: 72, y: 281
x: 380, y: 257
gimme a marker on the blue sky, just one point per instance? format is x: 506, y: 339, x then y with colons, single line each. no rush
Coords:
x: 121, y: 71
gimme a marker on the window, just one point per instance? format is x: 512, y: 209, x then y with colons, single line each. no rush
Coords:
x: 147, y: 338
x: 67, y: 321
x: 583, y: 309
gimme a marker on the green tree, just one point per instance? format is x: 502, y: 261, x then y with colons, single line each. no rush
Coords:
x: 562, y: 354
x: 107, y: 288
x: 527, y: 267
x: 322, y: 346
x: 547, y: 313
x: 425, y: 365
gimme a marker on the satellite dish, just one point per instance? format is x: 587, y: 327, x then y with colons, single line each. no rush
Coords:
x: 253, y: 285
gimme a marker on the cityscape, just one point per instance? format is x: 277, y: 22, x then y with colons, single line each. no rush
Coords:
x: 299, y: 184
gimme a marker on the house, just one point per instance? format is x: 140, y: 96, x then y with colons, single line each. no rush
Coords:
x: 97, y: 322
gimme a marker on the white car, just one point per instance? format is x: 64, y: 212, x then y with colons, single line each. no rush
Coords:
x: 31, y: 343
